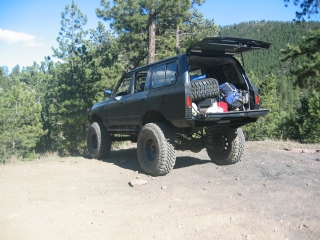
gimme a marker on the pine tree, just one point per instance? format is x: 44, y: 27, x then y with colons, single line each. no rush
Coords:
x: 304, y: 125
x: 308, y: 8
x: 268, y: 126
x: 137, y: 21
x: 306, y: 60
x: 20, y: 122
x: 69, y: 87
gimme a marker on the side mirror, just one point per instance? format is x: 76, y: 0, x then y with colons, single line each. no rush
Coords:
x: 107, y: 93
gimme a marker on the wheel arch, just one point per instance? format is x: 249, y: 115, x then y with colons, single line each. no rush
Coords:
x: 152, y: 116
x: 96, y: 118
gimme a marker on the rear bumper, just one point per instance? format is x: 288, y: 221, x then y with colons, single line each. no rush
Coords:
x: 237, y: 118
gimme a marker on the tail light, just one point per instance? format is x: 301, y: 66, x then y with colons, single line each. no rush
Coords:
x: 257, y: 99
x: 188, y: 102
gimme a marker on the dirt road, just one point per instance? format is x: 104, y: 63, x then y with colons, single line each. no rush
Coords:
x: 271, y: 194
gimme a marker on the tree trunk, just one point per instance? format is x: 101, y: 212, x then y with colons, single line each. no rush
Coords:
x: 177, y: 40
x: 152, y: 36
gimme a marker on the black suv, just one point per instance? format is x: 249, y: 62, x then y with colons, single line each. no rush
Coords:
x: 177, y: 104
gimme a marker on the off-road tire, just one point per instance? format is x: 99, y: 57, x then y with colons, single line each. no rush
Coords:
x: 98, y: 141
x: 156, y: 149
x: 204, y: 88
x: 232, y: 149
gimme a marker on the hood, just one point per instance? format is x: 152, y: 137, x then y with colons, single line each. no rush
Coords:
x: 225, y: 46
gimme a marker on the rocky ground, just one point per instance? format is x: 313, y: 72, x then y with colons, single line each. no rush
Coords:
x: 272, y: 194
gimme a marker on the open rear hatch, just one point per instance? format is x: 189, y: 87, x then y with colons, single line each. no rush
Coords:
x: 225, y: 46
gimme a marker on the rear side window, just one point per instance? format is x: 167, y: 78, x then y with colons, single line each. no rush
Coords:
x: 165, y: 74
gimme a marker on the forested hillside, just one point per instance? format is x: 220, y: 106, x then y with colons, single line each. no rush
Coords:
x: 43, y: 106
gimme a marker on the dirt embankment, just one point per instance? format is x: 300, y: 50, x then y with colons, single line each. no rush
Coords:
x: 272, y: 194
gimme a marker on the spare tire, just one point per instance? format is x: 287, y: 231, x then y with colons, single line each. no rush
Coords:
x: 204, y: 88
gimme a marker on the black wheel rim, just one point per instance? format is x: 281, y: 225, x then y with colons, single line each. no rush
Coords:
x: 93, y: 141
x: 150, y: 150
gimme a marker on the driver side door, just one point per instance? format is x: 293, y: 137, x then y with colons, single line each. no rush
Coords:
x: 116, y: 109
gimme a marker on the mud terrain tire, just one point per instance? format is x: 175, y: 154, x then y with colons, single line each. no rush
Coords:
x: 155, y: 149
x: 232, y: 143
x: 205, y: 88
x: 98, y: 141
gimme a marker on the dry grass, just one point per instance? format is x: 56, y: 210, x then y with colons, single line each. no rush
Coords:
x: 48, y: 156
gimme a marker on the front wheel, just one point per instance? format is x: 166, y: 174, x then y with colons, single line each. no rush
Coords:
x: 227, y: 147
x: 155, y: 149
x: 98, y: 141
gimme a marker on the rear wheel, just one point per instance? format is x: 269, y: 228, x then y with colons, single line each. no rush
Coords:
x: 227, y: 147
x: 98, y: 141
x: 205, y: 88
x: 155, y: 148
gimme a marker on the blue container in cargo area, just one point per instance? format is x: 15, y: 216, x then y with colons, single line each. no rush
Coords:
x: 197, y: 77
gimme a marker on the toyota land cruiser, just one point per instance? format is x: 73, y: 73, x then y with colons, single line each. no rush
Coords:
x: 177, y: 104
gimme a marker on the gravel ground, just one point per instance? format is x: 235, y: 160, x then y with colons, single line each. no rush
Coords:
x: 272, y: 194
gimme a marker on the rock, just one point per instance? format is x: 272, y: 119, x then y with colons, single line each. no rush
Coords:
x: 287, y: 149
x: 163, y: 187
x: 137, y: 182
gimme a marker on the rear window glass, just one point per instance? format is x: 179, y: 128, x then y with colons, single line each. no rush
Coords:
x: 165, y: 74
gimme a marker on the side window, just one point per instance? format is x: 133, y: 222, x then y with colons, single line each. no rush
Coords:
x: 171, y: 73
x: 165, y: 74
x: 159, y: 76
x: 140, y: 80
x: 124, y: 87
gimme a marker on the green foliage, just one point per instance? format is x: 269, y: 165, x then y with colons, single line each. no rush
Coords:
x: 268, y: 126
x: 308, y: 7
x: 71, y: 90
x: 20, y: 122
x: 306, y: 60
x: 145, y: 27
x: 71, y: 34
x: 305, y: 124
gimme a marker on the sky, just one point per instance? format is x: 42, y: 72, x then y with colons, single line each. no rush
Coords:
x: 29, y: 28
